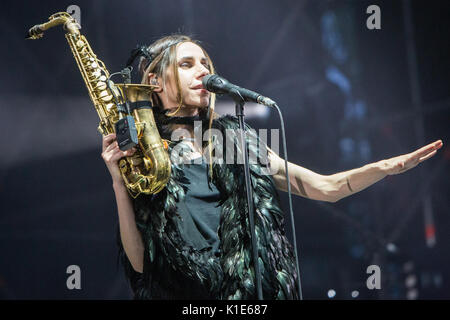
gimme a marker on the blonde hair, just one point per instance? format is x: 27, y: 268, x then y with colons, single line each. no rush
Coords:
x: 163, y: 55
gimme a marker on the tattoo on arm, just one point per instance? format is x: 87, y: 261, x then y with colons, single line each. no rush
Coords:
x: 300, y: 186
x: 348, y: 185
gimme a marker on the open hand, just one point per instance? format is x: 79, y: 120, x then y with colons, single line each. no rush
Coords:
x: 408, y: 161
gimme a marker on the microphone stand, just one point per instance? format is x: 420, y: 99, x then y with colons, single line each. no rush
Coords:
x: 239, y: 100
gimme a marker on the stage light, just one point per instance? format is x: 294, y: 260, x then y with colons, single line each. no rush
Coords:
x: 412, y: 294
x: 331, y: 293
x: 355, y: 294
x: 391, y: 247
x: 410, y: 281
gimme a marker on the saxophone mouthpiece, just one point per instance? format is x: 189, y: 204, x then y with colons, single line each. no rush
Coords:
x: 34, y: 33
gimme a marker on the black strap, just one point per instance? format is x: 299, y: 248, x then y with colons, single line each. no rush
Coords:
x: 183, y: 120
x: 140, y: 105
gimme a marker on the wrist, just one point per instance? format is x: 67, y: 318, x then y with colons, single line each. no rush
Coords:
x: 119, y: 185
x: 382, y: 166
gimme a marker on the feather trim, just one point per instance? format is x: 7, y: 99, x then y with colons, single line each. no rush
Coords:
x: 231, y: 275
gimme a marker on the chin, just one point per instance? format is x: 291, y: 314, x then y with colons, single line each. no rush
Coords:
x: 202, y: 103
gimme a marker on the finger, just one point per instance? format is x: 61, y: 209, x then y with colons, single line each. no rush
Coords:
x: 108, y: 139
x: 112, y: 146
x: 126, y: 153
x: 438, y: 144
x: 130, y: 152
x: 109, y: 153
x: 117, y: 154
x: 109, y: 149
x: 428, y: 156
x: 428, y: 148
x: 123, y: 154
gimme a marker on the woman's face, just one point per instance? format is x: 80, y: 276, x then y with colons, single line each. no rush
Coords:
x: 192, y: 67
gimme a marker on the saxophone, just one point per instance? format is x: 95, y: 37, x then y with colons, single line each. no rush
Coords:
x: 147, y: 171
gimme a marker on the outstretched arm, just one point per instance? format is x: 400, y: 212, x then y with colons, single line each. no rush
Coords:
x: 332, y: 188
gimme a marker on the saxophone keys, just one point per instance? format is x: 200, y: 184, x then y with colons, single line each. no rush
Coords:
x: 100, y: 130
x: 100, y: 85
x: 105, y: 96
x: 87, y: 59
x: 80, y: 44
x: 110, y: 106
x: 147, y: 163
x: 97, y: 73
x: 123, y: 166
x: 135, y: 161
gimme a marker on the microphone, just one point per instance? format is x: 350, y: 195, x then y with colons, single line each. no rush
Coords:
x: 217, y: 84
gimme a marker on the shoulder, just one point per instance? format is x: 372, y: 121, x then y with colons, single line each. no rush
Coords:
x: 227, y: 121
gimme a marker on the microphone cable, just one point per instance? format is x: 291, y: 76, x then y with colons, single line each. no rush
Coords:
x: 290, y: 200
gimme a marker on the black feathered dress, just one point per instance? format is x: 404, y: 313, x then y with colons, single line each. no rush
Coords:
x: 196, y: 232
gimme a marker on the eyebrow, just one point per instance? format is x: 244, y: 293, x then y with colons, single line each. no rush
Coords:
x: 192, y: 58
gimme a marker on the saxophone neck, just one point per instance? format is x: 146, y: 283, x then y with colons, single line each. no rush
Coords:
x: 68, y: 22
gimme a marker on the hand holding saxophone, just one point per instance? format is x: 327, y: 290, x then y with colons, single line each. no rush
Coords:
x: 111, y: 154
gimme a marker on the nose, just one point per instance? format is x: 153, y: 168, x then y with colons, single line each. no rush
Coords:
x: 202, y: 71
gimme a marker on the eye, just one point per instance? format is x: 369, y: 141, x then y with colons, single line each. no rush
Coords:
x: 185, y: 64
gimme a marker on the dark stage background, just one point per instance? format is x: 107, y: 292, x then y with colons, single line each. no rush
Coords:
x: 350, y: 96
